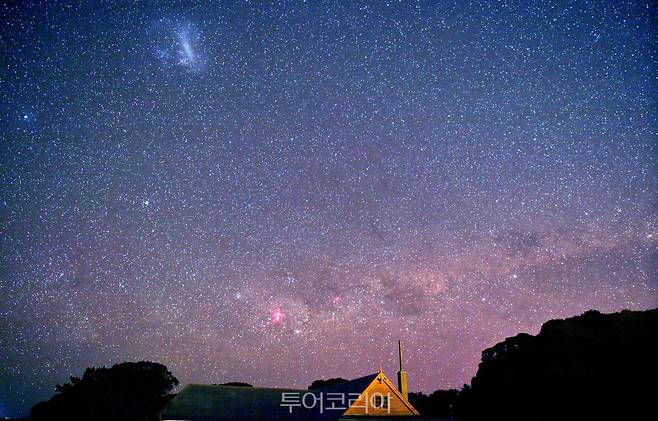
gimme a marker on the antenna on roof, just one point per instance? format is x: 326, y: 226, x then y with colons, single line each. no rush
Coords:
x: 402, y: 376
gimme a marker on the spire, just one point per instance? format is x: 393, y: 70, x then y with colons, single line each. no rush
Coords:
x: 402, y: 376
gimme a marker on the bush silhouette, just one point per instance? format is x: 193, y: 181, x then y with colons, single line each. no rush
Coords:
x: 240, y: 384
x: 440, y: 403
x: 324, y: 383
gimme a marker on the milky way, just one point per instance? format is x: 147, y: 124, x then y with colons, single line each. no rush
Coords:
x: 278, y: 193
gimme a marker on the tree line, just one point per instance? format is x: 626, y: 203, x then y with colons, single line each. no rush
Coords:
x: 592, y: 366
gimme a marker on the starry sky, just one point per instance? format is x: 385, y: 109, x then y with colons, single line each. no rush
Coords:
x: 276, y: 192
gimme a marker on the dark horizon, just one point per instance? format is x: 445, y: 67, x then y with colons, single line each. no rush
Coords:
x: 246, y: 192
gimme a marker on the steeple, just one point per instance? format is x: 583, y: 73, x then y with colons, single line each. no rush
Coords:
x: 402, y: 376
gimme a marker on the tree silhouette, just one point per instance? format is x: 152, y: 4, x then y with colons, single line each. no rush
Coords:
x: 324, y: 383
x: 127, y: 391
x: 241, y: 384
x: 593, y: 366
x: 440, y: 403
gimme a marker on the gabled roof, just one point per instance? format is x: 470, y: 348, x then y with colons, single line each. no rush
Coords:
x: 352, y: 390
x: 391, y: 386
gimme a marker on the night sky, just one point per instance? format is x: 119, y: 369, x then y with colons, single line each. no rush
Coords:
x: 277, y: 192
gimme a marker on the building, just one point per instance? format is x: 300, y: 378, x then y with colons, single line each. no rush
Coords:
x: 199, y: 402
x: 371, y: 396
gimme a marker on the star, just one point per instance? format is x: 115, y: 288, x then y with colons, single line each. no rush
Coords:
x: 268, y: 180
